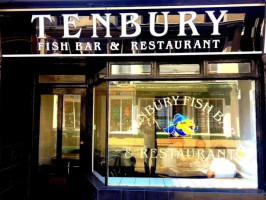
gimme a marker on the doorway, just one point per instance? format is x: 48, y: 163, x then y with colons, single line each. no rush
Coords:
x: 59, y: 135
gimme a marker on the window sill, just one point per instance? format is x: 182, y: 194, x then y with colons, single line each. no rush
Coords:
x: 234, y: 183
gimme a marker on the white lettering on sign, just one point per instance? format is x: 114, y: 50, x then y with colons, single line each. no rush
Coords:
x: 104, y: 22
x: 130, y: 20
x: 41, y: 23
x: 152, y: 24
x: 66, y: 26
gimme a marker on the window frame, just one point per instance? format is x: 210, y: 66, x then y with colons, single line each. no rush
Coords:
x: 254, y: 75
x: 208, y: 133
x: 134, y: 131
x: 203, y: 74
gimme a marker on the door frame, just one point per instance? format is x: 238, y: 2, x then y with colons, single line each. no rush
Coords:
x: 59, y: 90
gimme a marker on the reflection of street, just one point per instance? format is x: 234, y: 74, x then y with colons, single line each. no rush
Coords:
x: 70, y: 140
x: 192, y: 163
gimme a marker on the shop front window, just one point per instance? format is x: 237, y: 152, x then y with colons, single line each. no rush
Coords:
x: 181, y: 134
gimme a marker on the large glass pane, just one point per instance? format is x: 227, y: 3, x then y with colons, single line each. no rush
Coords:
x: 171, y: 130
x: 48, y: 129
x: 227, y: 68
x: 130, y: 69
x: 71, y: 126
x: 99, y: 130
x: 179, y: 69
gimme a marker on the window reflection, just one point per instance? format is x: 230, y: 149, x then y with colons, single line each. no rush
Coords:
x: 121, y: 115
x: 48, y: 129
x: 179, y: 129
x: 130, y: 69
x: 226, y: 68
x: 71, y: 126
x: 179, y: 69
x: 62, y: 79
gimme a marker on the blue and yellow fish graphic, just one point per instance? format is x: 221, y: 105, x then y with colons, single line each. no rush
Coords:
x: 181, y: 126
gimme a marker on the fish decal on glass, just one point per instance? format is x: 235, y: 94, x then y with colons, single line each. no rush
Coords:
x: 181, y: 126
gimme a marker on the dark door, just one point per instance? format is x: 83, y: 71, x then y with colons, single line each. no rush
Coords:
x: 59, y: 134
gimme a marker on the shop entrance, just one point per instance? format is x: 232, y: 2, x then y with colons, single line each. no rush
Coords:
x: 59, y: 137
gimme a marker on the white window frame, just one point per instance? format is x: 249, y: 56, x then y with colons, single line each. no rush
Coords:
x: 133, y: 131
x: 208, y: 118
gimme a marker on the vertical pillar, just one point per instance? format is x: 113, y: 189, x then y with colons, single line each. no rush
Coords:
x: 263, y: 115
x: 1, y: 117
x: 263, y: 107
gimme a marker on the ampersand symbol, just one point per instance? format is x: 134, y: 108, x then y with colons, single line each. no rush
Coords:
x: 114, y: 46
